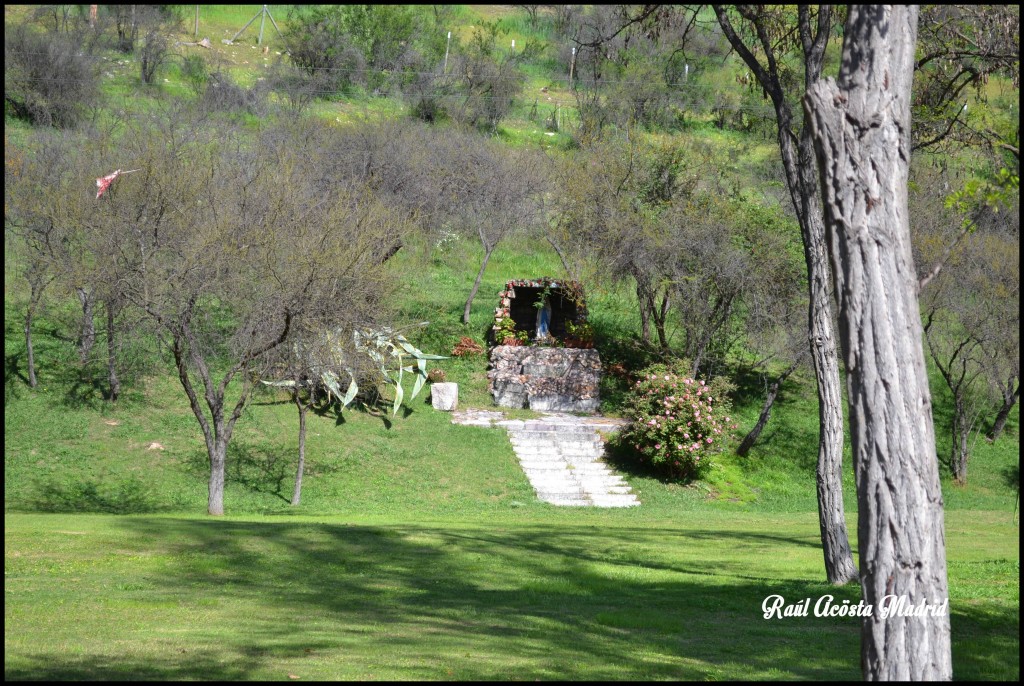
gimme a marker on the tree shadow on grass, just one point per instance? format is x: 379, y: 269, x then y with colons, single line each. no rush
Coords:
x: 86, y: 391
x: 131, y: 495
x: 530, y: 602
x: 260, y: 469
x: 207, y: 665
x: 492, y: 603
x: 1011, y: 476
x: 14, y: 378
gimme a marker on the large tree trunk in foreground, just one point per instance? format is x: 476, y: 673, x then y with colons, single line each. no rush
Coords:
x: 862, y: 137
x: 799, y: 164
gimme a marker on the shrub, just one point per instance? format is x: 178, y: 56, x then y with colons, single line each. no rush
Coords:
x: 156, y: 51
x: 195, y: 72
x: 677, y: 422
x: 319, y: 43
x: 46, y: 80
x: 224, y: 95
x: 467, y: 346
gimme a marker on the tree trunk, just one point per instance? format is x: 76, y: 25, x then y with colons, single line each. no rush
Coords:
x: 645, y: 314
x: 29, y: 352
x: 297, y: 492
x: 88, y: 337
x: 112, y: 380
x: 766, y: 412
x: 862, y: 138
x: 660, y: 315
x: 1004, y: 414
x: 218, y: 459
x: 959, y: 452
x: 476, y: 285
x: 835, y: 541
x: 803, y: 189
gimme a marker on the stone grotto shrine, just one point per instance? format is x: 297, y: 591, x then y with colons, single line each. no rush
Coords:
x: 543, y: 356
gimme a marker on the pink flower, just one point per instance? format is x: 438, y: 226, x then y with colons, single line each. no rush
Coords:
x: 686, y: 436
x: 657, y: 446
x: 709, y: 440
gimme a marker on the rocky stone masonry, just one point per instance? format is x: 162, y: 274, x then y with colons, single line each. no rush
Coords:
x: 545, y: 379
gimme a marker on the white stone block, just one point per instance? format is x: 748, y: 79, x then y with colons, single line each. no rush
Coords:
x: 444, y: 396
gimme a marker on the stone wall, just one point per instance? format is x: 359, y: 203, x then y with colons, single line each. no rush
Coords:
x: 546, y: 379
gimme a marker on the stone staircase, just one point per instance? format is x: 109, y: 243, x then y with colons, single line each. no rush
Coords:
x: 561, y: 455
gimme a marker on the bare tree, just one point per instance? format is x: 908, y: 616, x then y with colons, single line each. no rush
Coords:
x: 226, y: 248
x: 970, y: 303
x: 861, y: 129
x: 492, y: 192
x: 37, y: 219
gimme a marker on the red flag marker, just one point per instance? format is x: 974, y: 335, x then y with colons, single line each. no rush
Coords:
x: 103, y: 183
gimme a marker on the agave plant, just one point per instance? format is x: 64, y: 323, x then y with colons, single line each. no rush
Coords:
x: 390, y: 351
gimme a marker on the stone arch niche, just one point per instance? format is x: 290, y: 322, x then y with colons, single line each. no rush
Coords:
x: 559, y: 371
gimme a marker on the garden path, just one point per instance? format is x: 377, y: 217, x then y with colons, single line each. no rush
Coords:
x: 561, y: 455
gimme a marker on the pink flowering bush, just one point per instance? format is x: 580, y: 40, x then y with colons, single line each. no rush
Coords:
x: 677, y: 422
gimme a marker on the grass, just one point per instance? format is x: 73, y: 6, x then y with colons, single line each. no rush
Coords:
x: 420, y: 550
x: 548, y: 596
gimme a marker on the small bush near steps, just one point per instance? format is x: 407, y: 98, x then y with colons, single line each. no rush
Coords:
x: 677, y: 422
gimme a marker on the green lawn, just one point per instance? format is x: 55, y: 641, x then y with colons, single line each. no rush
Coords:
x: 420, y: 550
x: 550, y: 594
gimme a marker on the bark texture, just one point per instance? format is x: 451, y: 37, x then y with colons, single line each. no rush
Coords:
x: 799, y: 163
x: 861, y: 130
x: 297, y: 491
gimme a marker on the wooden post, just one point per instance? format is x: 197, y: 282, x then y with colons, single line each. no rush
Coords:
x: 446, y: 52
x: 197, y: 22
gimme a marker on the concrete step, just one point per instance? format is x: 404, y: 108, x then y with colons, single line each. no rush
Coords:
x: 563, y: 461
